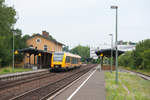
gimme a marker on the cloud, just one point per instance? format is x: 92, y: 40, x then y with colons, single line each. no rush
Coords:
x: 85, y: 22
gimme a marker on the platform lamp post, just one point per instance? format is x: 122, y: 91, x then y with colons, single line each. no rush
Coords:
x: 13, y: 52
x: 111, y: 52
x: 116, y: 8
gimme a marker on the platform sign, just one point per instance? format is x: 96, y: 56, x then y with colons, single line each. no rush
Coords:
x: 16, y: 52
x: 101, y: 54
x: 39, y: 54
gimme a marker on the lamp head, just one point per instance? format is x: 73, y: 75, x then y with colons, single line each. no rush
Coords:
x: 110, y: 34
x: 114, y: 7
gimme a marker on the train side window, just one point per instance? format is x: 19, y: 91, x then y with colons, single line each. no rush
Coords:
x: 78, y: 60
x: 73, y: 61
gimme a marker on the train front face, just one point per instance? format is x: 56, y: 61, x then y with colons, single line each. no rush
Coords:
x: 58, y: 62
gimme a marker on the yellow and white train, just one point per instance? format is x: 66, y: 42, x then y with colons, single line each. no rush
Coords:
x: 65, y: 61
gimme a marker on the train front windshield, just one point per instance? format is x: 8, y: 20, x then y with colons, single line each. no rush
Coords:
x: 58, y: 57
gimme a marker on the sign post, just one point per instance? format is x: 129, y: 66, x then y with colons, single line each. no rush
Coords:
x: 16, y: 53
x: 101, y: 55
x: 40, y: 59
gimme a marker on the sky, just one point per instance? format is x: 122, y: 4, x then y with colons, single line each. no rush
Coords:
x: 84, y: 22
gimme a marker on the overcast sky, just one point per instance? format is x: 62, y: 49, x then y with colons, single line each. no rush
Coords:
x: 85, y: 22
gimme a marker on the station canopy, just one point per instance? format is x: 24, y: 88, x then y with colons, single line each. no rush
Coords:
x: 43, y: 57
x: 107, y: 52
x: 32, y: 51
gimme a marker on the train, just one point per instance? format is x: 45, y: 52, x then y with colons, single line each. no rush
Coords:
x: 64, y: 61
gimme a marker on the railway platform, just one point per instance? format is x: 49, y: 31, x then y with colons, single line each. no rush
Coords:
x: 91, y: 86
x: 4, y: 76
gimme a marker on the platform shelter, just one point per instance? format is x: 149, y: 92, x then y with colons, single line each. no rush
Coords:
x: 41, y: 58
x: 107, y: 53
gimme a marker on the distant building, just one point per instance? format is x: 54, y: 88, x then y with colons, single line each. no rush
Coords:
x: 126, y: 46
x: 121, y: 42
x: 92, y: 53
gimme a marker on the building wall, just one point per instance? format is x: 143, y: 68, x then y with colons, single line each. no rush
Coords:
x: 51, y: 46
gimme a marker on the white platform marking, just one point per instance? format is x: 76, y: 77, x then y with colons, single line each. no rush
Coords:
x: 70, y: 97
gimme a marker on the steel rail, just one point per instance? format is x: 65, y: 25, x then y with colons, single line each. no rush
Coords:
x: 42, y: 93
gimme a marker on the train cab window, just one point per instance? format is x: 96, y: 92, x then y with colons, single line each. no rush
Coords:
x: 58, y: 56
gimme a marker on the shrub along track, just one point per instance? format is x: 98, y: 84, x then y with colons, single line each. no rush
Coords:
x: 42, y: 85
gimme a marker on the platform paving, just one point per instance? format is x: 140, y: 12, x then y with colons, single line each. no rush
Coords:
x: 90, y: 87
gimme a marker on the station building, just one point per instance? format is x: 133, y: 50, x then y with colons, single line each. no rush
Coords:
x: 43, y: 44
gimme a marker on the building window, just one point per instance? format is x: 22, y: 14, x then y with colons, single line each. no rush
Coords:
x: 45, y: 47
x: 38, y: 40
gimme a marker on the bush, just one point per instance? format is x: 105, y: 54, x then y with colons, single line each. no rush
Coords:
x: 126, y: 59
x: 6, y: 70
x: 139, y: 58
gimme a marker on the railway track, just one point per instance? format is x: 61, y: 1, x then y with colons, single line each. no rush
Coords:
x: 8, y: 84
x: 16, y: 87
x: 144, y: 76
x: 45, y: 91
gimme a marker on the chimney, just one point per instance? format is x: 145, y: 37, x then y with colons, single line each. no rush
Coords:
x: 44, y: 33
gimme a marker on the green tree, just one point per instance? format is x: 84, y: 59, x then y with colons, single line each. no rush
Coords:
x: 20, y: 43
x: 7, y: 21
x: 66, y: 48
x: 145, y: 59
x: 138, y: 58
x: 126, y: 59
x: 83, y: 51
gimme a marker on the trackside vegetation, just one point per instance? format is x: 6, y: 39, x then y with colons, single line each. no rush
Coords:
x: 136, y: 87
x: 138, y: 58
x: 7, y: 70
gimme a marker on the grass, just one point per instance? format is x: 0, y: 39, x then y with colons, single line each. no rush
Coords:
x: 147, y: 72
x: 8, y: 70
x: 138, y: 87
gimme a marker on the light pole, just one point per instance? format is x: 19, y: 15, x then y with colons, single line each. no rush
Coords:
x: 116, y: 8
x: 13, y: 52
x: 111, y: 51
